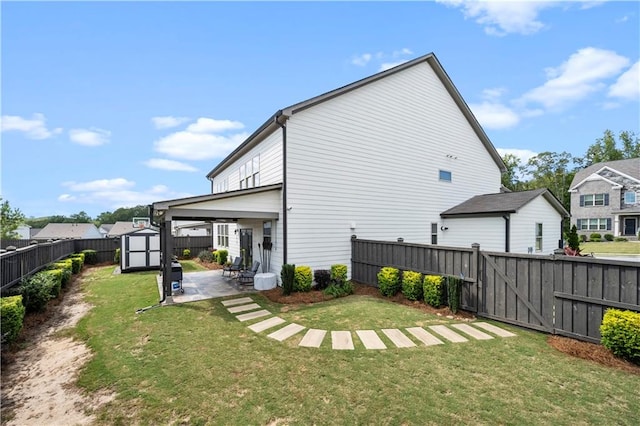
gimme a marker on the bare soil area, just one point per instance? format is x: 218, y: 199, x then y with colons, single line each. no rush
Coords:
x: 40, y: 369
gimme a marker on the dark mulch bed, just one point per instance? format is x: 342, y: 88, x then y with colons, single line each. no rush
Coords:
x: 208, y: 265
x: 591, y: 352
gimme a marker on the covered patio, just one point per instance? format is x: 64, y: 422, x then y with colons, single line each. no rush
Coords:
x: 204, y: 285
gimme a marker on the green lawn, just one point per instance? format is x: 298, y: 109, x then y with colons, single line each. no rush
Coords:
x: 191, y: 266
x: 196, y: 364
x: 611, y: 247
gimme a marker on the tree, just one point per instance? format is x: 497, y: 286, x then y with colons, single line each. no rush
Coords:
x: 123, y: 214
x: 510, y: 179
x: 81, y: 217
x: 573, y: 240
x: 10, y: 220
x: 552, y: 171
x: 606, y: 148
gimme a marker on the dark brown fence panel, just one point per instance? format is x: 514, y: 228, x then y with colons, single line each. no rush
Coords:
x: 195, y: 244
x: 23, y: 262
x: 16, y: 243
x: 104, y: 247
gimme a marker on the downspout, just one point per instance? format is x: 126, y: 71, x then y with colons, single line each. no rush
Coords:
x: 284, y: 186
x: 507, y: 232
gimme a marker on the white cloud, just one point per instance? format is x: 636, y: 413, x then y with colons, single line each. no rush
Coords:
x: 523, y: 154
x: 628, y: 84
x: 198, y: 146
x: 361, y: 60
x: 89, y: 137
x: 623, y: 19
x: 100, y: 185
x: 493, y: 93
x: 580, y: 75
x: 210, y: 125
x: 66, y: 197
x: 171, y: 165
x: 388, y: 65
x: 166, y: 122
x: 34, y: 128
x: 494, y: 115
x: 402, y: 52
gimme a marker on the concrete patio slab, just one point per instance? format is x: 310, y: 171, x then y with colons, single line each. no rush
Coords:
x: 253, y: 315
x: 286, y: 332
x: 240, y: 301
x: 424, y: 336
x: 244, y: 308
x: 448, y: 334
x: 266, y: 324
x: 398, y: 339
x: 493, y: 329
x: 370, y: 339
x: 341, y: 340
x: 473, y: 332
x: 313, y: 338
x: 203, y: 285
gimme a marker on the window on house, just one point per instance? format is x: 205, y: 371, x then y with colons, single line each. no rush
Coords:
x: 434, y: 233
x: 222, y: 186
x: 630, y: 197
x: 223, y: 235
x: 250, y: 173
x: 590, y: 200
x: 594, y: 224
x: 445, y: 175
x: 266, y: 235
x: 538, y: 237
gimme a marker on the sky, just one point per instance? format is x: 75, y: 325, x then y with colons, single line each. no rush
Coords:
x: 116, y: 104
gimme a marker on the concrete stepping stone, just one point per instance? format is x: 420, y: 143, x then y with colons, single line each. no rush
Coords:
x: 370, y: 339
x: 268, y: 323
x: 286, y: 332
x: 341, y: 340
x: 425, y: 337
x: 448, y: 334
x: 398, y: 339
x: 313, y: 338
x: 253, y: 315
x: 240, y: 301
x: 244, y: 308
x: 493, y: 329
x: 473, y: 332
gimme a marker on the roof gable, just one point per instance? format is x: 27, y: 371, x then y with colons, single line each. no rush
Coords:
x: 628, y: 169
x: 502, y: 203
x: 67, y: 230
x: 274, y: 122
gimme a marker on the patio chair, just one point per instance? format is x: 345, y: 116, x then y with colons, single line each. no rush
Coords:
x: 235, y: 267
x: 246, y: 277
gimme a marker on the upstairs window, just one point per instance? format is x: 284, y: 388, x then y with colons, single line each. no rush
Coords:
x: 630, y: 197
x: 250, y: 173
x: 445, y: 175
x: 591, y: 200
x: 222, y: 186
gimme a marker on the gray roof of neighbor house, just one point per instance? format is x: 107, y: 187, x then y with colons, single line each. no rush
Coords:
x: 282, y: 115
x: 65, y: 230
x: 107, y: 226
x: 34, y: 231
x: 121, y: 227
x: 630, y: 167
x: 502, y: 203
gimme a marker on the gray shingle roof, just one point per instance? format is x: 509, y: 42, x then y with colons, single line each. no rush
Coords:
x: 121, y: 227
x: 630, y: 167
x: 67, y: 230
x: 501, y: 203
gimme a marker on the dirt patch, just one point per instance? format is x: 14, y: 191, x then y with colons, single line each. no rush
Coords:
x: 40, y: 369
x: 591, y: 352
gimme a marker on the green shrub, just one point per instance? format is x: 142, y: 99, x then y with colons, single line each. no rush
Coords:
x: 595, y: 235
x: 206, y: 256
x: 433, y: 289
x: 56, y: 287
x: 608, y: 237
x: 620, y: 239
x: 388, y: 281
x: 222, y: 256
x: 583, y: 238
x: 11, y: 317
x: 339, y: 290
x: 573, y: 240
x: 36, y: 292
x: 322, y: 277
x: 412, y: 285
x: 339, y: 273
x: 303, y: 278
x: 287, y: 275
x: 90, y: 257
x: 77, y: 264
x: 454, y: 288
x: 186, y: 254
x: 620, y: 331
x: 116, y: 256
x: 66, y: 266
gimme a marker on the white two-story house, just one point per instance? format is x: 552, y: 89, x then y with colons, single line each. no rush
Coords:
x: 380, y: 158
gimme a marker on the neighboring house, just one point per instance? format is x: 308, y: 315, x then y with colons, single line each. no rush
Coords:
x: 605, y: 198
x: 33, y: 232
x: 105, y: 228
x: 192, y: 229
x: 122, y: 227
x: 380, y: 158
x: 519, y: 222
x: 24, y: 232
x: 62, y: 231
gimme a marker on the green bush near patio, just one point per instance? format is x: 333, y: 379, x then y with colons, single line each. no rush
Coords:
x: 389, y: 281
x: 434, y: 290
x: 303, y: 278
x: 412, y: 285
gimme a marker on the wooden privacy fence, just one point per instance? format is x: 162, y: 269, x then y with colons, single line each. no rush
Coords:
x: 29, y: 259
x: 557, y: 294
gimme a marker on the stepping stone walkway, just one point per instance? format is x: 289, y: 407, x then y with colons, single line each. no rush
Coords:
x: 246, y: 309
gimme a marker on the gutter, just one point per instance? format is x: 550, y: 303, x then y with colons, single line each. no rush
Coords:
x: 284, y: 186
x: 507, y: 232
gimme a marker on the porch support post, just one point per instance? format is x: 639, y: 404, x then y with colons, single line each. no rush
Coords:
x: 167, y: 255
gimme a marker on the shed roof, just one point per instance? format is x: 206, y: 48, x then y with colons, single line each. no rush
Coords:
x: 502, y: 203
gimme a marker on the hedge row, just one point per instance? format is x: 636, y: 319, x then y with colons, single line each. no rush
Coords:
x: 333, y: 282
x: 11, y: 317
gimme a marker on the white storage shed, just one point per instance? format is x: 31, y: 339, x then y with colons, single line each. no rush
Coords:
x: 140, y: 250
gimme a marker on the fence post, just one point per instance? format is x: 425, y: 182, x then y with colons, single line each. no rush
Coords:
x: 475, y: 271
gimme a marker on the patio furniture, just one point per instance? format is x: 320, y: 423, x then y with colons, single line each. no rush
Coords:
x: 246, y: 277
x: 235, y: 267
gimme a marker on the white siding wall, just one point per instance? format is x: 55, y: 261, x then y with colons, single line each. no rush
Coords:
x: 270, y: 152
x: 371, y: 157
x: 489, y: 232
x: 523, y: 227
